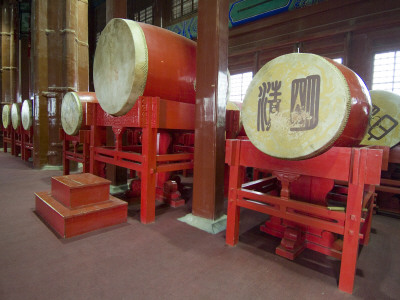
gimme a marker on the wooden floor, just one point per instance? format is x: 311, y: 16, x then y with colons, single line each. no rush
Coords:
x: 169, y: 259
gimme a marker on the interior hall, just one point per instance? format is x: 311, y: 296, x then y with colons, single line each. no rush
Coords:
x: 202, y: 149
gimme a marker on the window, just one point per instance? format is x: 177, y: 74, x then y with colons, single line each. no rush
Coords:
x: 238, y: 86
x: 386, y: 74
x: 338, y: 60
x: 145, y: 15
x: 183, y: 7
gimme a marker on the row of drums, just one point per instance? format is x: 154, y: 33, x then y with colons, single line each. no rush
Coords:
x: 297, y: 106
x: 17, y: 115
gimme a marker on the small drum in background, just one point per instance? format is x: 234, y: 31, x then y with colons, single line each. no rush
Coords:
x: 16, y: 115
x: 299, y: 105
x: 26, y: 114
x: 384, y: 128
x: 135, y: 59
x: 73, y: 111
x: 230, y: 105
x: 233, y: 105
x: 6, y: 116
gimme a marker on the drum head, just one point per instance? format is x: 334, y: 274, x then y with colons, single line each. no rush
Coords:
x: 120, y: 66
x: 6, y: 116
x: 26, y: 114
x: 384, y: 128
x: 71, y: 113
x: 296, y: 106
x: 16, y: 115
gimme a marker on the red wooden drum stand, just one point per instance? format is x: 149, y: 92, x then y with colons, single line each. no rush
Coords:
x: 334, y: 231
x: 27, y: 143
x: 388, y: 191
x: 8, y: 139
x: 76, y: 148
x: 18, y: 140
x: 152, y: 115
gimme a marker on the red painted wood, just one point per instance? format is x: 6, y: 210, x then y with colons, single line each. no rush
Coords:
x: 358, y: 167
x: 80, y: 189
x: 172, y: 69
x: 235, y: 182
x: 82, y: 140
x: 331, y: 164
x: 8, y: 138
x: 27, y: 144
x: 71, y: 222
x: 358, y: 120
x: 17, y: 142
x: 149, y: 114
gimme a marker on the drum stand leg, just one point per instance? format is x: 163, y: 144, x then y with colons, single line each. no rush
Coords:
x: 148, y: 175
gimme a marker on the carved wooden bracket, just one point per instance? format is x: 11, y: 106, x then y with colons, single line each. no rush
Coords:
x: 118, y: 131
x: 285, y: 178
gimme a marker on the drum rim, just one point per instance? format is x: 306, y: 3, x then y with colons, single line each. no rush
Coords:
x: 78, y: 104
x: 29, y: 103
x: 140, y: 68
x: 17, y: 114
x: 335, y: 67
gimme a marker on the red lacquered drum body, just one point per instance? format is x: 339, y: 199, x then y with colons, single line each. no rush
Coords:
x: 299, y: 105
x: 73, y: 111
x: 136, y: 59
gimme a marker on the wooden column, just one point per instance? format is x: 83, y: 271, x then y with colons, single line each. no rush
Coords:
x: 158, y: 12
x: 39, y: 82
x: 212, y: 65
x: 360, y: 58
x: 116, y: 9
x: 6, y: 52
x: 59, y: 65
x: 117, y: 175
x: 14, y: 52
x: 24, y: 68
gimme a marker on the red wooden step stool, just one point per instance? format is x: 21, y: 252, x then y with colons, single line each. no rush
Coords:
x: 78, y: 204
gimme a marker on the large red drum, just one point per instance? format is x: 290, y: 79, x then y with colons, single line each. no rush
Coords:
x: 135, y: 59
x: 299, y: 105
x: 73, y: 111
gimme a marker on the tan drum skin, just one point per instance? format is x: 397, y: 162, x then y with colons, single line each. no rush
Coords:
x: 6, y: 116
x: 73, y: 111
x: 16, y: 115
x: 299, y: 105
x: 384, y: 128
x: 134, y: 59
x: 26, y: 114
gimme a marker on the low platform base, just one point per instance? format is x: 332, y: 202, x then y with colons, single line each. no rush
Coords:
x: 72, y: 222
